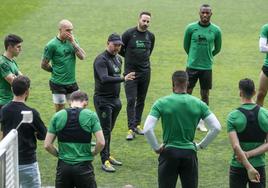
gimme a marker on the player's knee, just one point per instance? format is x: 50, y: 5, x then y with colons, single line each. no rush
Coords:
x: 131, y: 101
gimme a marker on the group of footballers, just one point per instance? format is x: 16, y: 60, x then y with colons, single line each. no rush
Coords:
x: 180, y: 112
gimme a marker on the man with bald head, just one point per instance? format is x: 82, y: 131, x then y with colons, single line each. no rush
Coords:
x: 59, y: 58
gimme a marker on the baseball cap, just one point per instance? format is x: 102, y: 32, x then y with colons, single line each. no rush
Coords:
x: 115, y: 38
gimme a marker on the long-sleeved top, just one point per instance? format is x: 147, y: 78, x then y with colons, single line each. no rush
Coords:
x: 137, y: 50
x: 107, y: 71
x: 201, y: 43
x: 27, y: 133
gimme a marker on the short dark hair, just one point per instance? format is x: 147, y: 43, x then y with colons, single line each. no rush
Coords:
x: 79, y: 96
x: 247, y: 87
x: 12, y: 40
x: 205, y: 6
x: 145, y: 13
x: 20, y: 85
x: 179, y: 78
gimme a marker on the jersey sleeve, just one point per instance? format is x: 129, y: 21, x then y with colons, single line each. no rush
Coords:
x: 125, y: 38
x: 264, y: 31
x: 263, y: 119
x: 155, y: 110
x: 153, y: 42
x: 58, y: 121
x: 48, y: 52
x: 187, y: 39
x: 39, y: 125
x: 217, y: 42
x: 4, y: 70
x: 89, y: 121
x: 52, y: 125
x: 95, y: 123
x: 204, y: 110
x: 102, y: 72
x: 230, y: 122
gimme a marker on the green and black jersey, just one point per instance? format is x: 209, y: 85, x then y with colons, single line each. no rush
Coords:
x: 180, y: 115
x: 7, y: 66
x: 137, y: 49
x: 237, y: 122
x: 201, y: 43
x: 73, y: 152
x: 63, y: 58
x: 264, y: 34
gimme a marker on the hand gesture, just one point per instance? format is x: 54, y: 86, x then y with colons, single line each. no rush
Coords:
x: 70, y: 37
x: 130, y: 76
x: 161, y: 148
x: 253, y: 175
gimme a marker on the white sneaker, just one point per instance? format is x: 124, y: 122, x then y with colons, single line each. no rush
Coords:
x: 201, y: 126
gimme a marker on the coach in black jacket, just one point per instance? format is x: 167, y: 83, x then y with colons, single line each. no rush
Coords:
x: 107, y: 76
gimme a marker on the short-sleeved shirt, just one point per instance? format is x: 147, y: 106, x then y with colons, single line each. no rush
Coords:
x: 180, y: 115
x: 202, y: 43
x: 63, y: 59
x: 73, y: 153
x: 7, y: 66
x: 237, y: 122
x: 264, y: 34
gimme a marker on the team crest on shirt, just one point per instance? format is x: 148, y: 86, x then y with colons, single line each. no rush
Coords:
x: 116, y: 69
x: 66, y: 52
x: 140, y: 44
x: 103, y: 115
x: 202, y: 39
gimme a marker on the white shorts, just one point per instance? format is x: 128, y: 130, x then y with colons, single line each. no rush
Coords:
x: 60, y: 98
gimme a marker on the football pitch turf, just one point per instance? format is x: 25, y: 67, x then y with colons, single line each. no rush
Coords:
x: 240, y: 22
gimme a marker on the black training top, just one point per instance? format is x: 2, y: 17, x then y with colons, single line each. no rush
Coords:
x: 137, y: 49
x: 107, y: 70
x: 253, y: 131
x: 27, y: 133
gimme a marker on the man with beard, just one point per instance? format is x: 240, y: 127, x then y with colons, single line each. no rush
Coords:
x: 137, y: 48
x: 202, y: 41
x: 107, y: 70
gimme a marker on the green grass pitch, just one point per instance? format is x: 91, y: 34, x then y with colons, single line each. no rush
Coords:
x: 94, y: 20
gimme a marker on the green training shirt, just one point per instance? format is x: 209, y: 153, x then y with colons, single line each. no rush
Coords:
x: 63, y: 58
x: 237, y: 121
x: 7, y: 67
x: 264, y: 34
x: 180, y: 115
x: 73, y: 153
x: 201, y: 43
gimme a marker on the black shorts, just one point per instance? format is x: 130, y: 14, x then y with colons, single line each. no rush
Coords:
x: 265, y: 70
x: 63, y: 89
x: 204, y: 77
x: 238, y: 178
x: 174, y: 163
x: 79, y: 175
